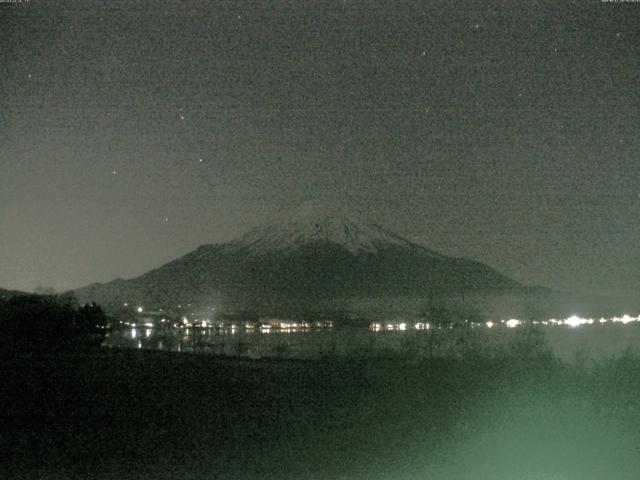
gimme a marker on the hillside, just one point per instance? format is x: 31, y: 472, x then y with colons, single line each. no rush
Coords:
x: 328, y: 262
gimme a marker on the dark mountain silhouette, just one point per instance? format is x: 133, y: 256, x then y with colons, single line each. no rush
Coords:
x: 307, y: 262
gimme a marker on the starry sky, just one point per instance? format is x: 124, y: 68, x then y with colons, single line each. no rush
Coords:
x: 505, y: 131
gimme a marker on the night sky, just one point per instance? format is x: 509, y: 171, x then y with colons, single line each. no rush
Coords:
x: 505, y: 131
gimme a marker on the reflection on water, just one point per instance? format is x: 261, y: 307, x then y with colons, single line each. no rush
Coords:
x: 291, y: 340
x: 414, y: 340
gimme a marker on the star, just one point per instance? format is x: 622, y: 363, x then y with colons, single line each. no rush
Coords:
x: 114, y: 172
x: 200, y: 160
x: 30, y: 75
x: 476, y: 26
x: 181, y: 117
x: 618, y: 35
x: 166, y: 219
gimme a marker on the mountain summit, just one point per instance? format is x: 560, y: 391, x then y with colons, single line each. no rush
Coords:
x: 335, y: 228
x: 306, y: 262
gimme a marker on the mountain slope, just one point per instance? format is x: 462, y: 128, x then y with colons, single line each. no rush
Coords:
x: 306, y: 262
x: 341, y: 230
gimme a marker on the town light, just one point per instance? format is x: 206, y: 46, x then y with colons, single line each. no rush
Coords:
x: 575, y: 321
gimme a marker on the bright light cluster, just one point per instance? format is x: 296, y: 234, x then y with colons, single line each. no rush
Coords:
x: 266, y: 325
x: 513, y: 323
x: 625, y: 319
x: 401, y: 326
x: 573, y: 321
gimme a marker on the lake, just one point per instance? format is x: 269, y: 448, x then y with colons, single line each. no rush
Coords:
x: 570, y: 343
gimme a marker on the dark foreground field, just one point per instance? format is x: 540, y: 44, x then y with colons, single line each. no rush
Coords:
x: 134, y: 414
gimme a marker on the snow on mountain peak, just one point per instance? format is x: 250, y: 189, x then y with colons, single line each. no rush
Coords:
x: 337, y: 228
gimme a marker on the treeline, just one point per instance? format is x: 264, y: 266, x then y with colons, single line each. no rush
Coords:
x: 44, y: 323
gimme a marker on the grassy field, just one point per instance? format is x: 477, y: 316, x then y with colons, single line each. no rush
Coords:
x: 117, y: 414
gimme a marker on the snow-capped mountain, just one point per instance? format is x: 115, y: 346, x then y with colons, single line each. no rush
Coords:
x: 308, y: 261
x: 335, y: 228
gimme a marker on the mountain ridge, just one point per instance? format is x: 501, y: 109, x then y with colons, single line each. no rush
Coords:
x: 302, y: 262
x: 355, y: 236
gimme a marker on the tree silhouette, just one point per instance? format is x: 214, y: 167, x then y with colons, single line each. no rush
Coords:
x: 38, y: 323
